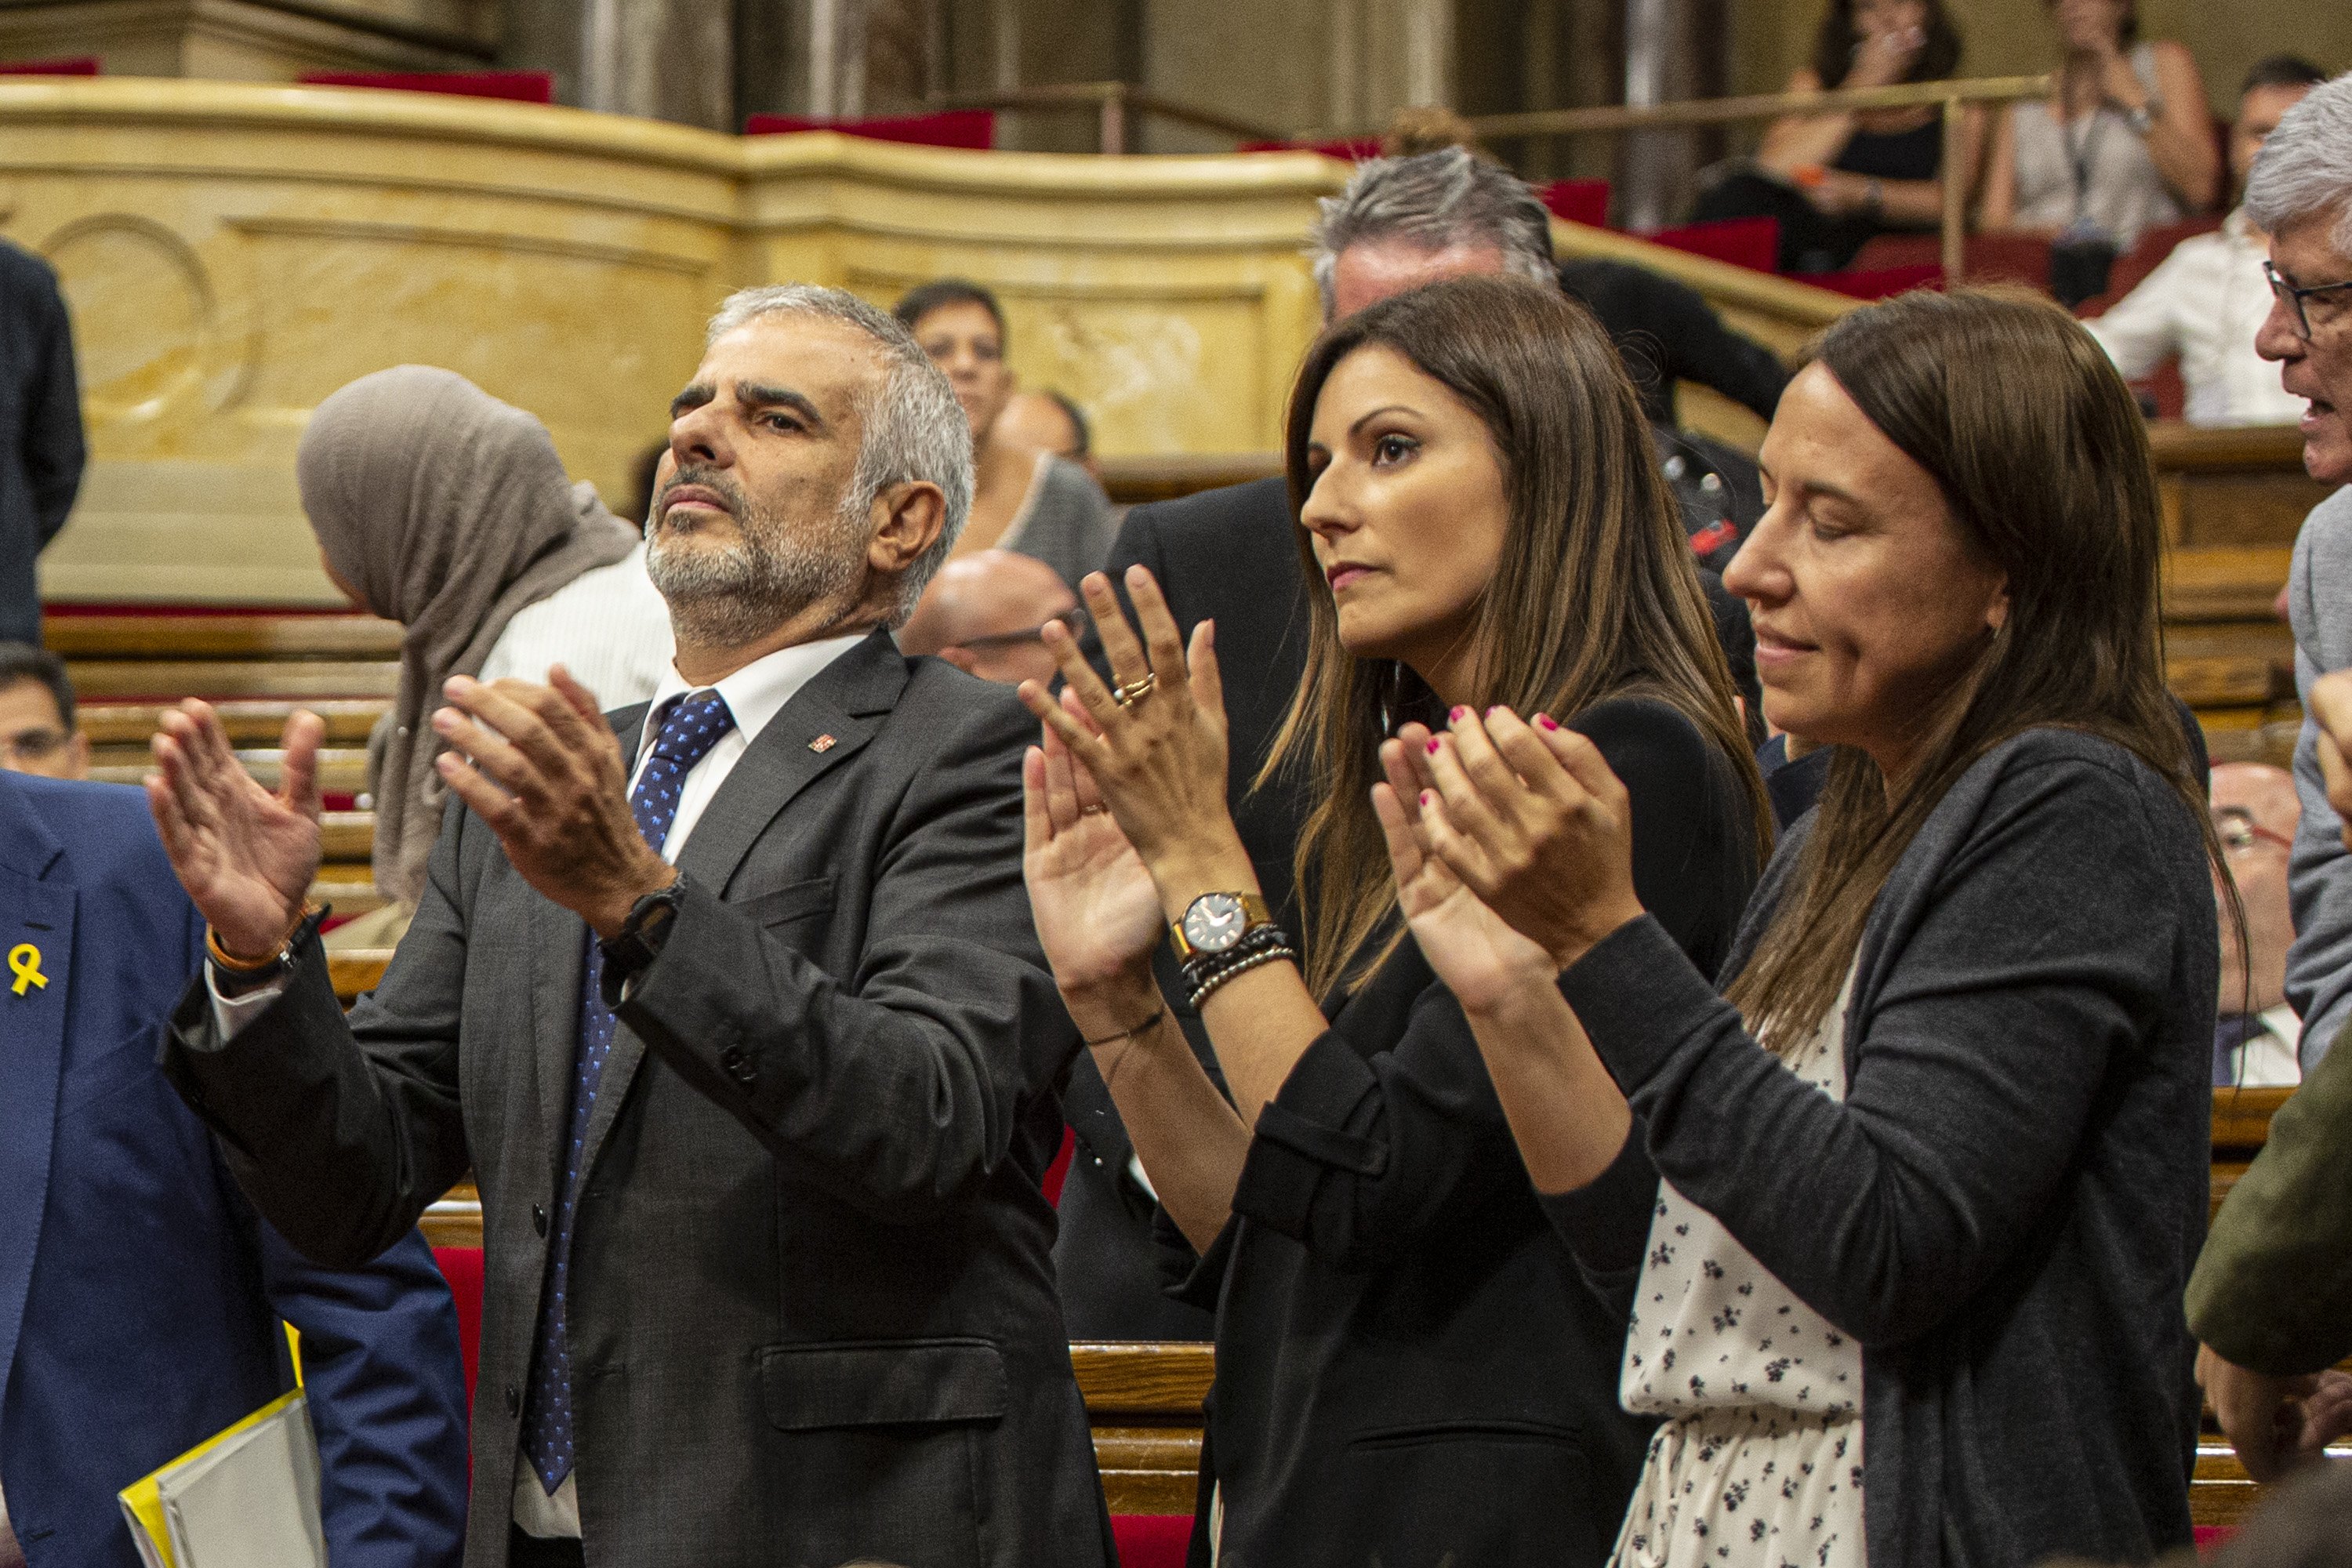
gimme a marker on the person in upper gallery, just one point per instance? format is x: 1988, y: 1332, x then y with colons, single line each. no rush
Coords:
x: 2255, y: 813
x: 437, y: 506
x: 1052, y: 422
x: 2206, y: 301
x: 1229, y: 555
x: 1409, y: 1365
x: 37, y: 734
x: 1935, y: 1158
x: 143, y: 1297
x: 2271, y: 1302
x: 2300, y: 194
x: 985, y: 613
x: 1834, y: 181
x: 2124, y: 144
x: 748, y: 1040
x: 1023, y: 498
x: 41, y: 447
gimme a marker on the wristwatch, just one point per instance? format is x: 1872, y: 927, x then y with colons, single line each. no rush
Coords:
x: 1216, y: 922
x: 639, y: 939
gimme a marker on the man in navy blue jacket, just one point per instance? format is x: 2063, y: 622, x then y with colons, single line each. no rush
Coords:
x: 139, y: 1294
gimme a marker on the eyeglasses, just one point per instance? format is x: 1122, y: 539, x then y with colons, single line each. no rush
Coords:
x: 31, y: 747
x: 2239, y: 831
x: 2292, y: 298
x: 1074, y: 617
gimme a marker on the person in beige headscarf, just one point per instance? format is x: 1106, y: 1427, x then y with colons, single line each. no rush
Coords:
x: 439, y: 507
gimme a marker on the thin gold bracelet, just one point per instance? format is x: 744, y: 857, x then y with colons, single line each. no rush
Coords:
x: 1156, y: 1014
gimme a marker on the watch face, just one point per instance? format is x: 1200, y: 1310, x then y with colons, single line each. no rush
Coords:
x: 1215, y: 923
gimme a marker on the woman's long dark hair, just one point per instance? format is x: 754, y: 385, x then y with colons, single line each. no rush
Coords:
x: 1837, y: 39
x: 2043, y: 459
x: 1596, y: 595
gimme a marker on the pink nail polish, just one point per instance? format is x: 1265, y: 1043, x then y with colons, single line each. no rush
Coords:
x: 1545, y: 721
x: 1424, y: 797
x: 1458, y: 715
x: 1433, y: 744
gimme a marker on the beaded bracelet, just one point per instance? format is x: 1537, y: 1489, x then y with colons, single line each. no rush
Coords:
x: 1238, y: 966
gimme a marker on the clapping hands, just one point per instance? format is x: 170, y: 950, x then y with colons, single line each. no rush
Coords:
x: 1526, y: 818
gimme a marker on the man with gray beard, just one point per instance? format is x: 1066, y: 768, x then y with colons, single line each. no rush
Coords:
x: 734, y: 1009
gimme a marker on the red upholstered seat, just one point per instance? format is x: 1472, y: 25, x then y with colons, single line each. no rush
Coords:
x: 1750, y: 242
x: 1152, y: 1540
x: 1884, y: 283
x: 1987, y: 257
x: 974, y: 129
x: 1578, y: 201
x: 79, y: 64
x: 519, y: 86
x: 462, y: 1267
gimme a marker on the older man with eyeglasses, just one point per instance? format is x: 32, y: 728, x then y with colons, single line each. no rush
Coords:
x: 2271, y: 1298
x: 2301, y: 195
x: 37, y: 715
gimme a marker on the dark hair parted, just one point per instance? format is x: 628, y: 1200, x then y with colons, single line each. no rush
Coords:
x: 1837, y: 39
x: 1596, y: 595
x: 920, y: 301
x: 2043, y: 459
x: 20, y: 662
x: 2280, y: 71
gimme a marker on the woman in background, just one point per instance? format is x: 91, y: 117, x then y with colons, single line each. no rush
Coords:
x: 1023, y: 498
x: 1934, y: 1163
x: 439, y: 507
x: 1834, y: 181
x: 2125, y: 144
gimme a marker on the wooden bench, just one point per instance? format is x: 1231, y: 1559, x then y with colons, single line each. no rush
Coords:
x: 1143, y: 1400
x: 2233, y: 501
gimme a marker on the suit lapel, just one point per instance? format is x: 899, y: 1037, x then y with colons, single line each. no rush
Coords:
x: 32, y: 1049
x: 828, y: 722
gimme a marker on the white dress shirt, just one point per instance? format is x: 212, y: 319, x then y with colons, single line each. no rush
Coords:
x: 755, y: 694
x: 2204, y: 302
x: 2269, y: 1059
x: 609, y: 626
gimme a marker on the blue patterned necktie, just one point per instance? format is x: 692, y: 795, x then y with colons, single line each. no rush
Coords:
x: 691, y: 727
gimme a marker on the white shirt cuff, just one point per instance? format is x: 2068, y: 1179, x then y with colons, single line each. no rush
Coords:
x: 232, y: 1013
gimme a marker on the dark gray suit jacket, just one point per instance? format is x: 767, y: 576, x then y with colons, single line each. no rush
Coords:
x: 812, y: 1310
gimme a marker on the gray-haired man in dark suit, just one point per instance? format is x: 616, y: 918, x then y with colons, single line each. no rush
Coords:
x: 747, y: 1039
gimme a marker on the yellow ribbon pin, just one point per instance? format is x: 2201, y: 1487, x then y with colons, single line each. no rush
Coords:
x: 25, y: 963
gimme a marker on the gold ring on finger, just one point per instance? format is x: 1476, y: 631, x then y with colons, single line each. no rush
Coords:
x: 1134, y: 691
x: 1095, y: 810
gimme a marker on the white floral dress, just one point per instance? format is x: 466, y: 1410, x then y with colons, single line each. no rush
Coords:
x: 1760, y: 1462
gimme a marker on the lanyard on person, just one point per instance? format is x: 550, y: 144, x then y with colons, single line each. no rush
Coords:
x: 2078, y: 155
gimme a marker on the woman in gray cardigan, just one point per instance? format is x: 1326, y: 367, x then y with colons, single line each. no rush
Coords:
x: 1935, y: 1164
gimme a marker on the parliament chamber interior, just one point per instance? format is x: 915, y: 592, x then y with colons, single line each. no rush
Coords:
x: 233, y: 251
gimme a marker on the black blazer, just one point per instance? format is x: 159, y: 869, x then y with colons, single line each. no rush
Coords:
x: 1229, y: 555
x: 813, y: 1306
x: 1412, y: 1368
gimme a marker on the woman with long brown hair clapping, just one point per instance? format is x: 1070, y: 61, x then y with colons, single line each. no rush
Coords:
x: 1935, y: 1161
x: 1409, y: 1364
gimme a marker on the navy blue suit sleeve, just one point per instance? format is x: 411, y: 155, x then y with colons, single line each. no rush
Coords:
x: 53, y: 446
x: 387, y: 1394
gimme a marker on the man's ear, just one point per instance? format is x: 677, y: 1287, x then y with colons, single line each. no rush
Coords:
x: 907, y: 519
x: 961, y: 657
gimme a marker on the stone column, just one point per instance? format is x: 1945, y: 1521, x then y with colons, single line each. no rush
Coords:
x: 1673, y: 52
x: 664, y: 59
